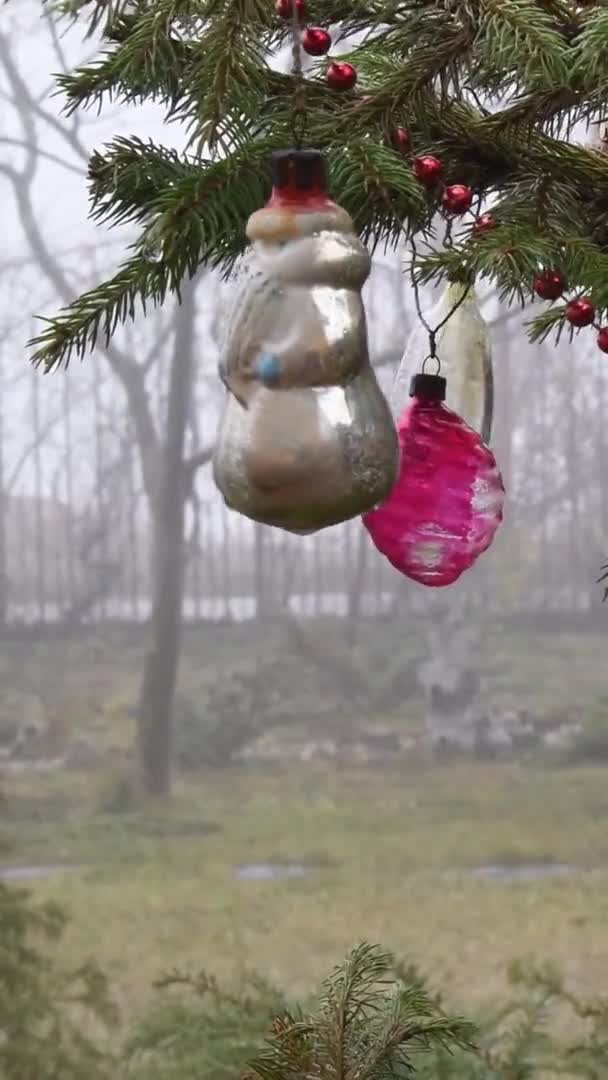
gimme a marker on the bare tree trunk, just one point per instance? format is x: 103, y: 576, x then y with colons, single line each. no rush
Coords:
x: 162, y: 657
x: 4, y: 582
x: 451, y: 679
x: 260, y: 553
x: 355, y: 583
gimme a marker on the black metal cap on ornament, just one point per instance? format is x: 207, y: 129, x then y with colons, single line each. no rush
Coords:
x: 304, y: 170
x: 432, y: 387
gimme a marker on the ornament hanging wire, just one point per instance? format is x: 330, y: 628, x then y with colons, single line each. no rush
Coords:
x: 298, y: 113
x: 431, y: 330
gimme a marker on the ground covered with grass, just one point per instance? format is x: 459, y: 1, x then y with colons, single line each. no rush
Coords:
x: 390, y: 852
x: 390, y: 857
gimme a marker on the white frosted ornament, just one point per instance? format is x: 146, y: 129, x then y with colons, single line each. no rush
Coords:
x: 463, y: 348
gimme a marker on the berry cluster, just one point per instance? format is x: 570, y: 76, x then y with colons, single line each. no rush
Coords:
x: 456, y: 199
x: 580, y: 312
x: 317, y: 42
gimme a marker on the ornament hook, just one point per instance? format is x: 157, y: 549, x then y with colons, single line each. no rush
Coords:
x: 432, y: 353
x: 437, y: 362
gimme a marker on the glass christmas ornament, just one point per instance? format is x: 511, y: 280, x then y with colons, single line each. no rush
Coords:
x: 550, y: 284
x: 463, y: 345
x: 484, y: 223
x: 284, y: 9
x: 307, y: 438
x: 316, y: 41
x: 428, y: 170
x: 400, y: 139
x: 580, y: 312
x: 341, y: 76
x: 457, y: 199
x: 602, y: 339
x: 447, y: 504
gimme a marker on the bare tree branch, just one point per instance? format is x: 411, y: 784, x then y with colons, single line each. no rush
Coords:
x: 46, y: 154
x: 130, y: 374
x: 196, y: 461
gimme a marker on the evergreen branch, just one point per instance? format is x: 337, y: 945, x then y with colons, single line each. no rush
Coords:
x: 550, y: 321
x: 370, y: 182
x: 199, y: 220
x: 421, y: 64
x: 131, y: 175
x: 431, y: 48
x: 228, y: 69
x: 366, y: 1026
x: 99, y: 311
x: 518, y: 44
x: 352, y: 987
x: 96, y: 12
x: 219, y: 71
x: 147, y: 63
x: 588, y: 55
x: 88, y: 86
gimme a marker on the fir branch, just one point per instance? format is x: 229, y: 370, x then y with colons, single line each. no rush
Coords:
x: 228, y: 71
x: 200, y: 219
x: 588, y: 55
x: 147, y: 63
x: 96, y: 12
x: 518, y: 44
x: 366, y: 1025
x: 420, y: 64
x: 370, y: 182
x: 209, y: 79
x: 98, y: 312
x: 131, y: 175
x: 431, y: 47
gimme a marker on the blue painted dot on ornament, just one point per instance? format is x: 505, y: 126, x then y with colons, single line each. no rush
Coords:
x: 269, y: 369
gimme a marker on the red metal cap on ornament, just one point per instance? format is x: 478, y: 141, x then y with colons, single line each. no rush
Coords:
x: 430, y: 387
x: 299, y: 176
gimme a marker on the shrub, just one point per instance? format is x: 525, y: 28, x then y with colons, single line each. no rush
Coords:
x: 46, y: 1010
x: 362, y: 1024
x: 197, y: 1029
x: 374, y: 1019
x: 225, y: 721
x: 591, y: 744
x: 117, y: 793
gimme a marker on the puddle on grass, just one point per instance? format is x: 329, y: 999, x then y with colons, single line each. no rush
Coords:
x: 268, y: 871
x: 524, y: 872
x: 271, y: 871
x: 32, y: 873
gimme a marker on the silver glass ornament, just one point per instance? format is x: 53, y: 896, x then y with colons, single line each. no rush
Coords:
x: 306, y: 439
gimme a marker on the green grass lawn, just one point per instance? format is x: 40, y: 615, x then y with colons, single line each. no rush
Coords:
x: 391, y: 851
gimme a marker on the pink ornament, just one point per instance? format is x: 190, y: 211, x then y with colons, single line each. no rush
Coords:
x: 447, y: 504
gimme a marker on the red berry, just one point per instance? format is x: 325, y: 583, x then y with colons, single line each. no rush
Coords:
x: 428, y: 170
x: 602, y: 339
x: 550, y: 284
x: 341, y: 76
x: 580, y: 312
x: 284, y: 9
x: 457, y: 199
x: 400, y: 138
x: 316, y: 41
x: 483, y: 224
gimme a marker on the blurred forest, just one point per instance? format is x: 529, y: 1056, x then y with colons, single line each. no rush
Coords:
x: 425, y: 770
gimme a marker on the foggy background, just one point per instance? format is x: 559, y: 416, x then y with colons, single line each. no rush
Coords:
x: 355, y: 666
